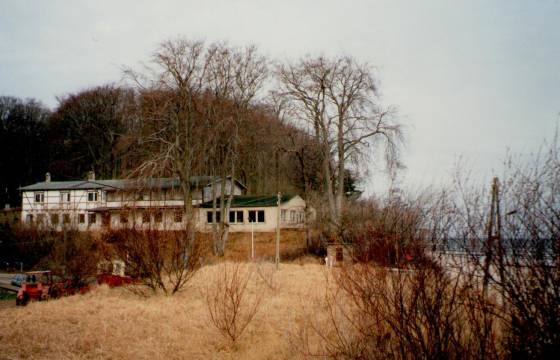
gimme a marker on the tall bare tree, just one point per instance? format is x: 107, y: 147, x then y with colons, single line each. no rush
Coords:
x: 178, y: 70
x: 202, y: 93
x: 235, y: 77
x: 337, y: 100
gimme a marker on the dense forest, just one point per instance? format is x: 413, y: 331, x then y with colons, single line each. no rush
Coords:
x: 101, y: 129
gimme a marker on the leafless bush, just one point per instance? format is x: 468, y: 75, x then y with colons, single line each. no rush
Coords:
x: 230, y: 305
x: 376, y: 313
x: 390, y: 232
x: 163, y: 260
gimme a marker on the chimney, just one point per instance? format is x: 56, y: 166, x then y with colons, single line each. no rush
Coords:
x: 48, y: 177
x: 91, y: 175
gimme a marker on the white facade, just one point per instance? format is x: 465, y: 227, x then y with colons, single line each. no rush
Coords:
x: 260, y: 218
x: 62, y: 208
x: 113, y: 204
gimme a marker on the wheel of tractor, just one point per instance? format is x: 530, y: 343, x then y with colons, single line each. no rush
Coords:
x: 54, y: 292
x: 24, y: 300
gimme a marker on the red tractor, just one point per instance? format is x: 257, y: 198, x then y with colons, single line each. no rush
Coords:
x: 35, y: 286
x: 39, y: 285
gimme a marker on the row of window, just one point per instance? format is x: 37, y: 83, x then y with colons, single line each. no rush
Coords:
x: 237, y: 216
x: 55, y: 218
x: 116, y: 196
x: 158, y: 217
x: 295, y: 216
x: 65, y: 197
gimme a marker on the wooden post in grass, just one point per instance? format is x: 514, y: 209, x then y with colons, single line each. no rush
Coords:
x: 278, y: 232
x: 252, y: 240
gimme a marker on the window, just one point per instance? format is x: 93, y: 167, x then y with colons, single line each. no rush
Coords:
x: 236, y: 217
x: 256, y: 216
x: 54, y: 219
x: 173, y: 194
x: 178, y: 216
x: 158, y: 217
x: 210, y: 218
x: 92, y: 218
x: 283, y: 215
x: 39, y: 197
x: 292, y: 216
x: 64, y: 197
x: 41, y: 218
x: 106, y: 219
x: 124, y: 218
x: 114, y: 196
x: 92, y: 196
x: 66, y: 218
x: 144, y: 196
x: 145, y: 217
x: 29, y: 218
x: 81, y: 218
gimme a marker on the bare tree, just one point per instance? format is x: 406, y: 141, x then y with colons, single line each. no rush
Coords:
x: 235, y: 77
x: 337, y: 99
x: 202, y: 92
x: 178, y: 71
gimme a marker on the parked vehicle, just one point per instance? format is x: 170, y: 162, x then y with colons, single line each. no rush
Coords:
x: 35, y: 286
x: 40, y: 285
x: 18, y: 279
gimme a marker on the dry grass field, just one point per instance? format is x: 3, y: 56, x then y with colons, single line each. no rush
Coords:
x: 117, y: 324
x: 238, y: 247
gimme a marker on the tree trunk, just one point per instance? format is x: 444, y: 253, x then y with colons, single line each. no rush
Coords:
x: 340, y: 175
x: 329, y: 192
x: 215, y: 230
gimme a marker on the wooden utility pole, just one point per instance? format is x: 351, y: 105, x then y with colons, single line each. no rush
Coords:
x: 278, y: 231
x: 494, y: 233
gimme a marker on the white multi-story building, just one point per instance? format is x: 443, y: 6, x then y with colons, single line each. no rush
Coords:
x: 151, y: 203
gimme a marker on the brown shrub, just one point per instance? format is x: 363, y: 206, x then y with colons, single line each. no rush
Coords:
x: 376, y: 313
x: 162, y: 260
x: 230, y: 306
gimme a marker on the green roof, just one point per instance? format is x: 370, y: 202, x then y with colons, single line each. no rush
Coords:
x: 253, y: 201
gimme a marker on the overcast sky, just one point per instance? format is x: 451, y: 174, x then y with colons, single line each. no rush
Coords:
x: 470, y: 79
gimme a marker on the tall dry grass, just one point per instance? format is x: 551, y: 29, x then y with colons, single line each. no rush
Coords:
x: 117, y: 324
